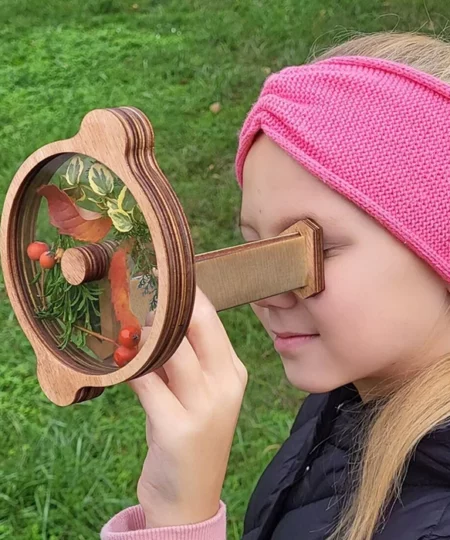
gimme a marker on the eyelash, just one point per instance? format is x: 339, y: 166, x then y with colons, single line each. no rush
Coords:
x: 327, y: 251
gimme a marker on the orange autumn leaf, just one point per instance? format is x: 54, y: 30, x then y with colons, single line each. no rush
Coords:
x: 72, y: 220
x: 119, y: 279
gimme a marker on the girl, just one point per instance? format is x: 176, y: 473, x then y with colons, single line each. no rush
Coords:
x: 359, y: 141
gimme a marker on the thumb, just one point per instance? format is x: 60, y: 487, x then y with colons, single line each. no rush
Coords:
x: 145, y: 332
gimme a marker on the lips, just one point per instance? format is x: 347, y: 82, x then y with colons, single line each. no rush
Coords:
x: 290, y: 334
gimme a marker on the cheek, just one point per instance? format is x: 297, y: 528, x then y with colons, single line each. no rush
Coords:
x: 376, y: 309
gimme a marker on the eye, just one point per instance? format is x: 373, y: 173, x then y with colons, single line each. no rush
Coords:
x: 330, y: 252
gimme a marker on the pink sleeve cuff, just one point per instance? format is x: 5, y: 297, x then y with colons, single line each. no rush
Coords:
x: 129, y: 524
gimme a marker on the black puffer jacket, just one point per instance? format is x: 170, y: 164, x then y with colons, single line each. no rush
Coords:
x: 300, y: 493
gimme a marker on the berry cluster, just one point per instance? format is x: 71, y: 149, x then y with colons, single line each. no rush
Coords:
x: 40, y: 251
x: 128, y: 339
x: 129, y: 336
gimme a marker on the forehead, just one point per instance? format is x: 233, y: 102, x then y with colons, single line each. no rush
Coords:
x: 277, y: 191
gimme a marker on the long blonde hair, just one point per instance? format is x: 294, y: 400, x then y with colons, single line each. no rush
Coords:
x: 411, y: 410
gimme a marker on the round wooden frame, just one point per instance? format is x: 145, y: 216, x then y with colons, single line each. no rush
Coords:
x: 128, y: 150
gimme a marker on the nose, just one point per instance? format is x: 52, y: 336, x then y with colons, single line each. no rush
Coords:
x: 283, y: 300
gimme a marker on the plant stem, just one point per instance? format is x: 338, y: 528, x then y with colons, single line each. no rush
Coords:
x: 95, y: 334
x: 44, y: 304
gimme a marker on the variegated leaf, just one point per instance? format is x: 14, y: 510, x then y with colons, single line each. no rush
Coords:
x: 121, y: 220
x: 125, y: 200
x: 101, y: 180
x: 74, y: 170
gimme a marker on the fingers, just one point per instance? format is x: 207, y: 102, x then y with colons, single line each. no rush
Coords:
x: 145, y: 332
x: 151, y: 389
x: 186, y: 379
x: 155, y: 396
x: 182, y: 372
x: 208, y: 337
x: 239, y: 367
x: 205, y: 350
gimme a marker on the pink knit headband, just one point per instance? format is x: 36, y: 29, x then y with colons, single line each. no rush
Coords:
x: 376, y: 131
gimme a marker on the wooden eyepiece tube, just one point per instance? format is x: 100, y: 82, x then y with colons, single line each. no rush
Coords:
x: 231, y: 276
x: 239, y: 275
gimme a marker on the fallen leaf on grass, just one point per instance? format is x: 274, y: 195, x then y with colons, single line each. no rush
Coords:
x: 215, y: 107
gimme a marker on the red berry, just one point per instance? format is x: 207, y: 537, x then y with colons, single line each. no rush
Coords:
x: 123, y: 355
x: 47, y: 260
x: 36, y: 249
x: 129, y: 336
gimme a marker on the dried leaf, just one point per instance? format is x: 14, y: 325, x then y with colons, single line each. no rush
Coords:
x: 215, y: 107
x: 120, y: 289
x: 72, y: 220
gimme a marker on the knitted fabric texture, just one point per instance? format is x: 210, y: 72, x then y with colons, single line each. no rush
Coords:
x: 377, y: 132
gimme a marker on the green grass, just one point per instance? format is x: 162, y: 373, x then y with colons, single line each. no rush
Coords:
x: 65, y: 472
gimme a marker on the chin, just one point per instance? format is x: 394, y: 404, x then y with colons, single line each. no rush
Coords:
x: 312, y: 385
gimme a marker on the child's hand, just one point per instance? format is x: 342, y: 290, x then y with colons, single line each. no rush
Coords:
x: 192, y: 405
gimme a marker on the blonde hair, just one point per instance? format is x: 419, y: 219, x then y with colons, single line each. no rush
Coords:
x: 408, y: 411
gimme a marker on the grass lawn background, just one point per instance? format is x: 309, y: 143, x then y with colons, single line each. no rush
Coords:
x: 65, y: 471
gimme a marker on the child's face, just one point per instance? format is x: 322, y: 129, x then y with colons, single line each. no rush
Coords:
x: 380, y: 302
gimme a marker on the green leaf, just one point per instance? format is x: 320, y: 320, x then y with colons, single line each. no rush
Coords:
x: 125, y: 200
x: 36, y: 277
x: 74, y: 170
x: 137, y: 214
x: 99, y: 204
x: 112, y: 205
x: 101, y: 180
x: 76, y: 192
x: 121, y: 220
